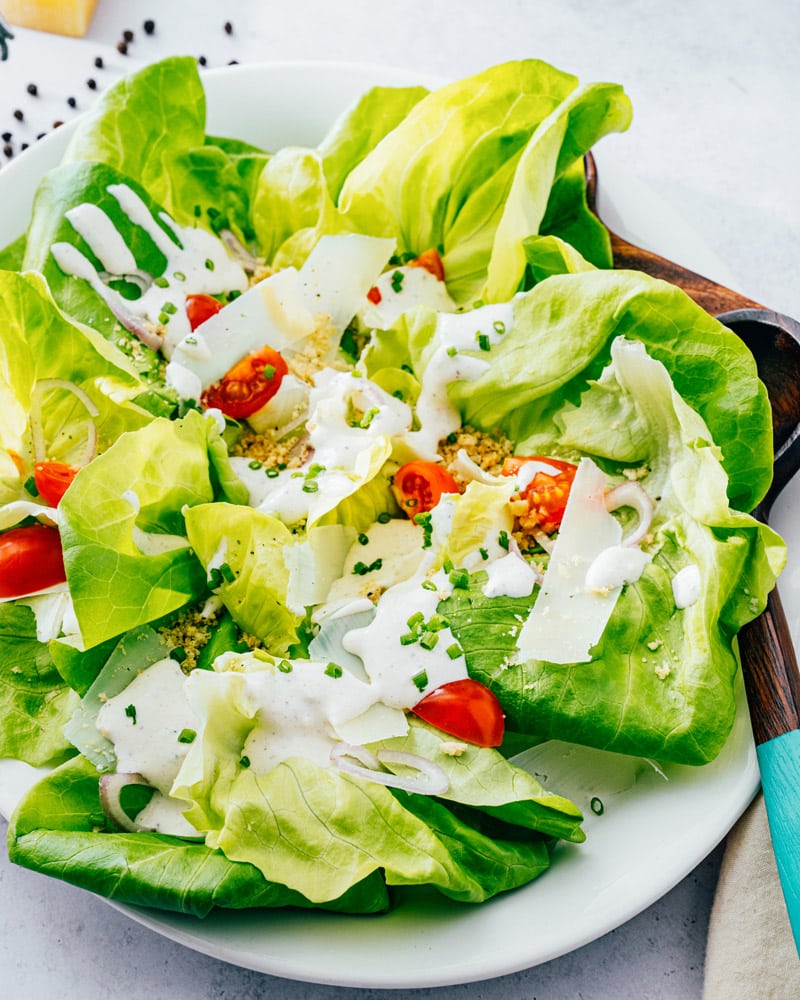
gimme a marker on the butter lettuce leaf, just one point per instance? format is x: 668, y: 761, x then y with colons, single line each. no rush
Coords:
x: 117, y: 576
x: 60, y: 827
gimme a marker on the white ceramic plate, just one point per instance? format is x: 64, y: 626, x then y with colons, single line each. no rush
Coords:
x: 654, y: 828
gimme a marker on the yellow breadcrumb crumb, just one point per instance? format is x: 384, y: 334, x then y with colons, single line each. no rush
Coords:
x: 487, y: 450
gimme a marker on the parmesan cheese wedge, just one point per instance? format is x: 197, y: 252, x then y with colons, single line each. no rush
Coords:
x: 568, y: 618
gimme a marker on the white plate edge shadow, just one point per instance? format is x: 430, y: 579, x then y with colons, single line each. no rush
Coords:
x: 591, y: 889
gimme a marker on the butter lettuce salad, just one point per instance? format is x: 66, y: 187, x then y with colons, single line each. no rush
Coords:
x: 333, y: 477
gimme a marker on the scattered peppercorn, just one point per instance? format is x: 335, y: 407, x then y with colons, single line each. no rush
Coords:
x: 18, y: 115
x: 122, y: 48
x: 72, y: 102
x: 228, y: 28
x: 233, y: 62
x: 127, y: 35
x: 57, y: 123
x: 6, y: 137
x: 24, y: 145
x: 99, y: 62
x: 202, y: 60
x: 91, y: 84
x: 33, y: 90
x: 149, y: 26
x: 9, y: 152
x: 41, y: 135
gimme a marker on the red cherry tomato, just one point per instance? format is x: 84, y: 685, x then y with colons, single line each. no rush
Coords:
x: 546, y: 494
x: 374, y: 295
x: 419, y: 486
x: 248, y: 386
x: 431, y: 261
x: 30, y: 560
x: 465, y: 709
x: 199, y: 308
x: 52, y: 480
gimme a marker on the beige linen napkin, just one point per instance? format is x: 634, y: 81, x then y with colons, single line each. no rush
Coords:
x: 751, y: 953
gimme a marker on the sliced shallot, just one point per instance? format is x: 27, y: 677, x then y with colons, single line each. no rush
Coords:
x: 632, y: 495
x: 432, y: 779
x: 239, y: 252
x: 111, y: 786
x: 37, y: 432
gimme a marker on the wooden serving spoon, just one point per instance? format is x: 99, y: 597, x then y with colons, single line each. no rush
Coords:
x: 769, y: 663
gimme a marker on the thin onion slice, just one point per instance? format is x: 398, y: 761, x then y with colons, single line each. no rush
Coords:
x: 134, y: 325
x: 37, y: 432
x: 111, y: 786
x: 632, y: 495
x: 432, y: 779
x: 239, y: 252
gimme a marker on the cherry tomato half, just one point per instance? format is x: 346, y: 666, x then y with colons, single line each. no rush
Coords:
x: 199, y: 308
x: 248, y: 386
x: 30, y: 560
x: 546, y: 494
x: 52, y: 480
x: 465, y: 709
x: 418, y: 486
x: 431, y: 261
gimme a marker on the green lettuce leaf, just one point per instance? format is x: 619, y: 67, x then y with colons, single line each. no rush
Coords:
x: 60, y: 827
x: 115, y: 585
x: 34, y: 701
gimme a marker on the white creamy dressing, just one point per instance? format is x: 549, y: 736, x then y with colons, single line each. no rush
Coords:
x: 197, y: 262
x: 394, y: 550
x: 393, y: 666
x: 616, y: 566
x: 342, y: 455
x: 510, y: 576
x: 144, y: 722
x: 455, y: 333
x: 686, y: 586
x: 401, y: 289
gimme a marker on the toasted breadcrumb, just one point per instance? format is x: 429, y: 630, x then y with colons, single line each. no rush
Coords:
x: 189, y: 632
x: 487, y: 450
x: 288, y: 453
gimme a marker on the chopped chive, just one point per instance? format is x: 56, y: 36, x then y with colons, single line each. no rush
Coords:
x: 454, y: 651
x: 597, y: 807
x: 310, y: 486
x: 209, y: 262
x: 408, y: 638
x: 190, y: 339
x: 268, y: 373
x: 244, y: 761
x: 478, y: 304
x: 215, y: 579
x: 284, y: 666
x: 170, y: 307
x: 179, y: 275
x: 368, y: 417
x: 452, y: 437
x: 363, y: 539
x: 428, y: 585
x: 333, y: 670
x: 503, y: 540
x: 384, y: 518
x: 272, y: 472
x: 484, y: 553
x: 163, y: 318
x: 255, y: 464
x: 187, y: 736
x: 428, y: 640
x: 420, y: 680
x: 31, y: 487
x: 499, y: 327
x: 416, y: 619
x: 130, y: 711
x: 459, y: 578
x: 452, y: 352
x: 397, y: 281
x: 483, y: 341
x: 227, y: 573
x: 447, y: 565
x: 178, y: 654
x: 161, y: 282
x: 437, y: 622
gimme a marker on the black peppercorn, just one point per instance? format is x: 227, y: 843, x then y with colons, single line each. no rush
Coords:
x: 228, y: 28
x: 99, y: 62
x: 122, y: 48
x: 57, y: 123
x: 91, y: 84
x: 33, y: 90
x: 202, y: 60
x: 6, y: 137
x: 72, y: 102
x: 127, y: 35
x: 8, y: 150
x: 41, y: 135
x: 149, y: 26
x: 233, y: 62
x: 18, y: 115
x: 24, y: 145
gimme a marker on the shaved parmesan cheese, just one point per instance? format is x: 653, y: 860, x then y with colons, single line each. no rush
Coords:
x: 568, y: 619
